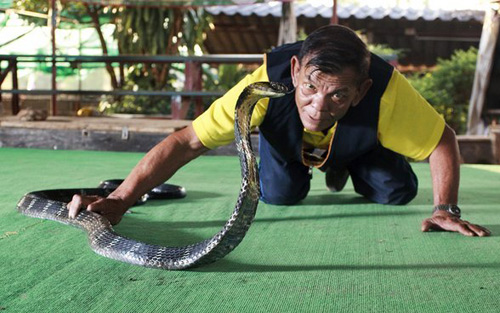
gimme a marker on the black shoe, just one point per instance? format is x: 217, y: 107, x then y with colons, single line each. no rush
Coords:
x: 336, y: 178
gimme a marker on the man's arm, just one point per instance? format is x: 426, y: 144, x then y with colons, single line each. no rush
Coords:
x: 445, y: 170
x: 157, y: 166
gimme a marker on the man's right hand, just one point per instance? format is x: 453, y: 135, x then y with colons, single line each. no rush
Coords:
x: 157, y: 166
x: 111, y: 207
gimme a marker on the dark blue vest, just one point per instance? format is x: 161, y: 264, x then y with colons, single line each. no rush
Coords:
x: 356, y: 132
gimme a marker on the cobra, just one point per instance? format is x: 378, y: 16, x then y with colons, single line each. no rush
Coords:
x: 50, y: 204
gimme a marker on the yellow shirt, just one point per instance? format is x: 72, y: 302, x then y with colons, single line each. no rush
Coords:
x: 407, y: 124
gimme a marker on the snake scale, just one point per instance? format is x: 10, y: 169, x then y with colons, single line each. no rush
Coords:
x: 51, y: 204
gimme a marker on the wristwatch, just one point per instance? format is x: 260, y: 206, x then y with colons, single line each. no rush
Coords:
x: 453, y: 209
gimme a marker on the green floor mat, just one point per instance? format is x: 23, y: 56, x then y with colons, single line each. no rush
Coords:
x: 330, y: 253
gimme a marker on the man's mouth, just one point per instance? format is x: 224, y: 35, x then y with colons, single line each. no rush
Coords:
x: 320, y: 117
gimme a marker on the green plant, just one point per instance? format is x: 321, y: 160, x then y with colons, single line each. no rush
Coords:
x: 385, y: 50
x: 448, y: 87
x: 222, y: 78
x: 130, y: 104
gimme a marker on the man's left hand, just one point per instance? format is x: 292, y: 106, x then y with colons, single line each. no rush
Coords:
x: 445, y: 221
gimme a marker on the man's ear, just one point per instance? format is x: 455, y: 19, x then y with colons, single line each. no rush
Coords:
x: 295, y: 64
x: 363, y: 89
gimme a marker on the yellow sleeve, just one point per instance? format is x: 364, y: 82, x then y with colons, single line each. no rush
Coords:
x: 215, y: 127
x: 408, y: 124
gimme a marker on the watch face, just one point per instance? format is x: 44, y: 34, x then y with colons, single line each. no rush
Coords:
x: 454, y: 210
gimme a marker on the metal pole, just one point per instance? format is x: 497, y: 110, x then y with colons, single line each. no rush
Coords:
x: 53, y: 19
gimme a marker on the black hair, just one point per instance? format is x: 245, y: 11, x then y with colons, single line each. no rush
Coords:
x: 331, y: 49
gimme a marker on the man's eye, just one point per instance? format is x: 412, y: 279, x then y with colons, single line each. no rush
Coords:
x: 309, y: 87
x: 338, y: 96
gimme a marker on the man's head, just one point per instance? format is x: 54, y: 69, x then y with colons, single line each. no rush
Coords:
x: 330, y: 75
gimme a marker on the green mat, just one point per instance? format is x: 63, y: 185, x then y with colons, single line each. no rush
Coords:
x: 331, y: 253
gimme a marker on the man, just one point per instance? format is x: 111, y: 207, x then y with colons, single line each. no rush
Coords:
x: 351, y: 114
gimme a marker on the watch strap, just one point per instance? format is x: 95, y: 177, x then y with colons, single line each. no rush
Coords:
x: 450, y: 208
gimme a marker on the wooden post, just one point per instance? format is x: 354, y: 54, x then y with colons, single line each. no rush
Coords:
x: 53, y: 23
x: 175, y: 106
x: 335, y: 19
x: 485, y: 60
x: 495, y: 142
x: 11, y: 67
x: 15, y: 96
x: 3, y: 74
x: 197, y: 86
x: 193, y: 80
x: 288, y: 24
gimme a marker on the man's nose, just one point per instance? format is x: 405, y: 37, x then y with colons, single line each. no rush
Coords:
x: 320, y: 103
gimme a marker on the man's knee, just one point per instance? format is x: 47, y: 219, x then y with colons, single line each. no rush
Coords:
x: 284, y: 194
x: 278, y: 199
x: 399, y: 196
x: 283, y: 183
x: 384, y: 177
x: 405, y: 197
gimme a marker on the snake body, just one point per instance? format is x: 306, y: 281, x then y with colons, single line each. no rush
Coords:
x: 51, y: 204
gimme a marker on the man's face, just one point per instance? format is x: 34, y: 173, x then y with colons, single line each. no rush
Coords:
x: 322, y: 99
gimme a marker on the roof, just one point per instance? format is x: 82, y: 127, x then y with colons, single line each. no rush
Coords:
x: 423, y: 35
x: 347, y: 11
